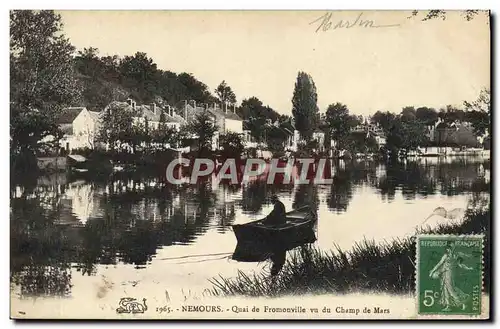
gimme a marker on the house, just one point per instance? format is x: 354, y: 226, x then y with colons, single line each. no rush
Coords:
x: 371, y: 130
x: 150, y: 113
x: 189, y: 111
x: 226, y: 120
x: 80, y: 128
x: 248, y: 140
x: 456, y: 134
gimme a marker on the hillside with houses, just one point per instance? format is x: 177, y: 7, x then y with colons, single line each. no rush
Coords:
x: 129, y: 105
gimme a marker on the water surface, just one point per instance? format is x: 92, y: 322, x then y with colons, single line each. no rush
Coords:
x: 78, y: 237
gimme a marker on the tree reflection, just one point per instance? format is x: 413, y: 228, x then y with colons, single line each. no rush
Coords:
x: 39, y: 249
x: 129, y: 219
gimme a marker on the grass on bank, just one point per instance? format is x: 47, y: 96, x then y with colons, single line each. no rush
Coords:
x: 388, y: 267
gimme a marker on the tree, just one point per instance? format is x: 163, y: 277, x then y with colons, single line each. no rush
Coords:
x: 257, y: 127
x: 164, y: 134
x: 194, y: 89
x: 275, y: 138
x: 256, y: 116
x: 427, y: 115
x: 408, y: 113
x: 384, y: 119
x: 452, y: 114
x: 479, y: 113
x: 338, y: 121
x: 116, y: 127
x: 253, y: 108
x: 232, y: 145
x: 99, y: 78
x: 436, y: 14
x: 405, y: 135
x: 204, y: 128
x: 139, y: 73
x: 88, y: 63
x: 412, y: 135
x: 225, y: 94
x: 305, y: 109
x: 362, y: 142
x: 42, y: 79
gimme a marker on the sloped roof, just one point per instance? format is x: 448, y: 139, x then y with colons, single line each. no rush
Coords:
x: 288, y: 125
x: 117, y: 104
x: 68, y: 115
x: 95, y: 115
x: 174, y: 118
x: 66, y: 128
x: 77, y: 157
x: 147, y: 112
x: 192, y: 112
x: 228, y: 115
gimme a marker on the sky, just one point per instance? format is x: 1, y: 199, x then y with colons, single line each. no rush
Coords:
x: 259, y: 53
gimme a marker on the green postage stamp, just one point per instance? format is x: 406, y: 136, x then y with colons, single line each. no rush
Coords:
x: 449, y: 274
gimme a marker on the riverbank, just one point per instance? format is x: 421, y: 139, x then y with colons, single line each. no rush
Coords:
x: 388, y: 267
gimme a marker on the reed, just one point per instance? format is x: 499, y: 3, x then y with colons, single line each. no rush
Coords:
x: 384, y: 267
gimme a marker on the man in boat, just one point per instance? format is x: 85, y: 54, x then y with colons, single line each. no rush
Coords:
x: 278, y: 215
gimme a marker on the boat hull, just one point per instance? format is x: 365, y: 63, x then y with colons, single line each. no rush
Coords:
x: 256, y: 240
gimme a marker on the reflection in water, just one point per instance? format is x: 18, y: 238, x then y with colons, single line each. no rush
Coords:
x: 278, y: 260
x: 57, y: 224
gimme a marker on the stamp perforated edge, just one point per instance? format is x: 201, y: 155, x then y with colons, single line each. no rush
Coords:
x: 417, y: 279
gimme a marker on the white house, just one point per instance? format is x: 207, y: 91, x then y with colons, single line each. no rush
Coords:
x: 86, y: 128
x: 372, y: 130
x: 80, y: 127
x: 152, y: 113
x: 225, y: 119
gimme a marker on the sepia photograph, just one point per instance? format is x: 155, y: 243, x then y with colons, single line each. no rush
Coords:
x: 250, y: 164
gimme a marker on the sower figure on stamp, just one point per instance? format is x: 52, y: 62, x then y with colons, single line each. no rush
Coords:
x: 445, y: 270
x: 278, y: 215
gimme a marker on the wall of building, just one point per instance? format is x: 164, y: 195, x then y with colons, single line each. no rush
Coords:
x: 84, y: 131
x: 235, y: 126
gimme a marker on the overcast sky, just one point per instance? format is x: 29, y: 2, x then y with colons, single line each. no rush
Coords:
x: 417, y: 63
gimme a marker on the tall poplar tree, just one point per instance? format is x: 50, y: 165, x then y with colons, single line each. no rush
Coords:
x: 305, y: 108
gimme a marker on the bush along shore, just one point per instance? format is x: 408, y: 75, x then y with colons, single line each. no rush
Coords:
x: 368, y: 267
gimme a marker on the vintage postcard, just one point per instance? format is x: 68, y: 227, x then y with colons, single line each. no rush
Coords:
x: 250, y: 165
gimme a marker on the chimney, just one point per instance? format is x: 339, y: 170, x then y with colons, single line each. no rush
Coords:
x: 225, y: 107
x: 234, y: 108
x: 153, y: 108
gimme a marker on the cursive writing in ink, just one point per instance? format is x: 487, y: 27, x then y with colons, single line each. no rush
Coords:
x: 326, y: 24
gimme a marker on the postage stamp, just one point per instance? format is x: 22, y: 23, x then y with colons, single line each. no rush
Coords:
x: 249, y: 164
x: 449, y: 274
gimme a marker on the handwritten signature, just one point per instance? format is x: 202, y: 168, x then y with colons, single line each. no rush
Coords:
x: 326, y: 24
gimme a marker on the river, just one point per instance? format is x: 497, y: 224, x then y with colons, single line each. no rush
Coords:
x: 77, y: 238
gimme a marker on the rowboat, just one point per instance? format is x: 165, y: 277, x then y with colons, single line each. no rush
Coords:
x: 257, y: 238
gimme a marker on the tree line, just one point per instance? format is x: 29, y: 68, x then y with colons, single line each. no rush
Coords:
x: 47, y: 75
x: 404, y: 131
